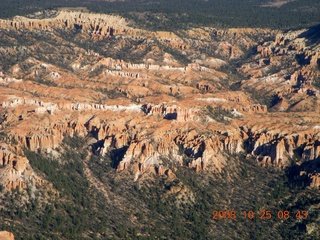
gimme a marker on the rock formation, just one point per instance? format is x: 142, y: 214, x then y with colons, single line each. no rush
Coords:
x: 15, y: 171
x: 96, y: 24
x: 4, y: 235
x: 151, y: 104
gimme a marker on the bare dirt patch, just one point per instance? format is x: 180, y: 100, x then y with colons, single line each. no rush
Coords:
x: 277, y: 3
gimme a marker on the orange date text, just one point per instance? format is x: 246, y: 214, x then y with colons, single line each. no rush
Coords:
x: 262, y: 214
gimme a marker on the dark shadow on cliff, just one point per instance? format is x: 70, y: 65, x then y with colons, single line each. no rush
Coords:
x: 171, y: 116
x: 312, y: 35
x: 297, y: 175
x: 117, y: 155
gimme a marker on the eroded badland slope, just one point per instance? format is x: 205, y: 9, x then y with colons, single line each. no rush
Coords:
x: 146, y: 107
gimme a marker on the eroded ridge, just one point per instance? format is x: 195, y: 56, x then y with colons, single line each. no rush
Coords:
x: 186, y: 98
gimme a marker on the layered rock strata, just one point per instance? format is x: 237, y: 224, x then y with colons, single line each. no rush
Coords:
x: 156, y: 108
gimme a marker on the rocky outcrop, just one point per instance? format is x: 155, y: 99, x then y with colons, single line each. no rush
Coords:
x: 15, y: 171
x: 171, y: 39
x: 144, y: 155
x: 205, y: 86
x: 161, y: 170
x: 257, y: 108
x: 125, y: 74
x: 284, y: 38
x: 4, y: 235
x: 265, y: 51
x: 41, y: 107
x: 278, y: 150
x: 96, y: 24
x: 8, y: 80
x: 229, y: 51
x: 153, y: 113
x: 315, y: 181
x: 169, y: 112
x: 301, y: 77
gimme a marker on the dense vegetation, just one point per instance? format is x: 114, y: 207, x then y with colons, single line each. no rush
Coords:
x: 156, y: 207
x: 181, y: 13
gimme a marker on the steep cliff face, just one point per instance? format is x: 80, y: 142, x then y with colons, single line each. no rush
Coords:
x: 95, y: 24
x: 15, y: 171
x: 147, y: 140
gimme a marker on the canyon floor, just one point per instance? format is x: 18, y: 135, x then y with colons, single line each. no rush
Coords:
x: 110, y: 131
